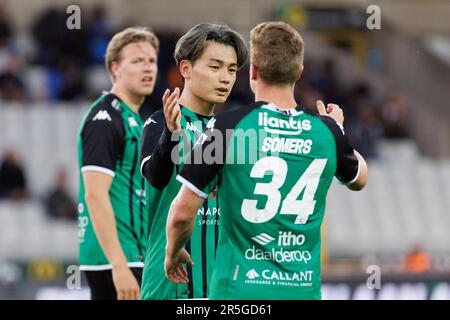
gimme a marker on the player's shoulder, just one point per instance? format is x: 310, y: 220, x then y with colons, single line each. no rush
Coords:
x: 154, y: 123
x: 230, y: 118
x: 240, y: 110
x: 105, y: 116
x: 335, y: 128
x: 106, y: 109
x: 156, y: 118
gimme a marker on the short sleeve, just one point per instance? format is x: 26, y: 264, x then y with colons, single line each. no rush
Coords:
x: 102, y: 142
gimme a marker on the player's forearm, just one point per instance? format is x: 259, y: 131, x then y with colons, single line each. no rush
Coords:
x: 104, y: 224
x: 158, y: 169
x: 180, y: 225
x: 361, y: 181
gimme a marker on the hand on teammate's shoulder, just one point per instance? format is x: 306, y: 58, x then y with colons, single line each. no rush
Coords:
x: 331, y: 110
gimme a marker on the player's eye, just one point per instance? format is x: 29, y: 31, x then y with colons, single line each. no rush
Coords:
x: 214, y: 67
x: 232, y: 70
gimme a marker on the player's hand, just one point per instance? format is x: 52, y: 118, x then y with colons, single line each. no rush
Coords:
x: 172, y: 111
x: 126, y: 285
x: 332, y: 110
x: 173, y: 266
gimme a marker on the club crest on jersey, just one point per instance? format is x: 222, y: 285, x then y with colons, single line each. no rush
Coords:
x: 210, y: 124
x: 276, y: 125
x: 191, y: 127
x: 102, y: 115
x: 132, y: 122
x: 200, y: 141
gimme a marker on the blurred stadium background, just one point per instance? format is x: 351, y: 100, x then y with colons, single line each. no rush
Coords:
x: 393, y: 84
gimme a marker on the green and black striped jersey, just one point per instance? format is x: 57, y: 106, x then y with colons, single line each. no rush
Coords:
x: 273, y: 168
x: 162, y: 157
x: 108, y: 142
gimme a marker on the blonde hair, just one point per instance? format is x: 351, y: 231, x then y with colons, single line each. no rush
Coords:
x: 276, y: 50
x: 125, y: 37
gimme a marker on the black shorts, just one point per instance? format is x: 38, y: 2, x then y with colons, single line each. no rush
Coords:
x: 102, y: 285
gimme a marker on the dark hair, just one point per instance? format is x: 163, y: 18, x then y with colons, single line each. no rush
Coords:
x: 191, y: 45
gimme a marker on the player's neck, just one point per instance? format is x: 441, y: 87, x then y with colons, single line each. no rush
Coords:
x: 131, y: 100
x: 282, y: 96
x: 196, y: 104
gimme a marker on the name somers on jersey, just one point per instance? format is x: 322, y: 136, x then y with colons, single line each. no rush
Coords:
x: 277, y: 136
x: 291, y: 127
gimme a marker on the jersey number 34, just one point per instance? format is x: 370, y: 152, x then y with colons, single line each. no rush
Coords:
x: 303, y: 208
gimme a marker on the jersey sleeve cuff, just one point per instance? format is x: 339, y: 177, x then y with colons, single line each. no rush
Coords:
x: 98, y: 169
x: 143, y: 163
x: 191, y: 187
x: 354, y: 179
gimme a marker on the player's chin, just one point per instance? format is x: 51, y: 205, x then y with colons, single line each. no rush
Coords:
x: 218, y: 99
x: 146, y: 90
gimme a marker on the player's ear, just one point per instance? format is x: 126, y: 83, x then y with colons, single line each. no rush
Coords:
x: 253, y: 72
x: 299, y: 73
x: 253, y: 77
x: 115, y: 70
x: 185, y: 69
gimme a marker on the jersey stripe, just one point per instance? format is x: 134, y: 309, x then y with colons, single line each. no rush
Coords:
x: 204, y: 229
x: 204, y: 255
x: 133, y: 169
x: 141, y: 207
x: 216, y: 224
